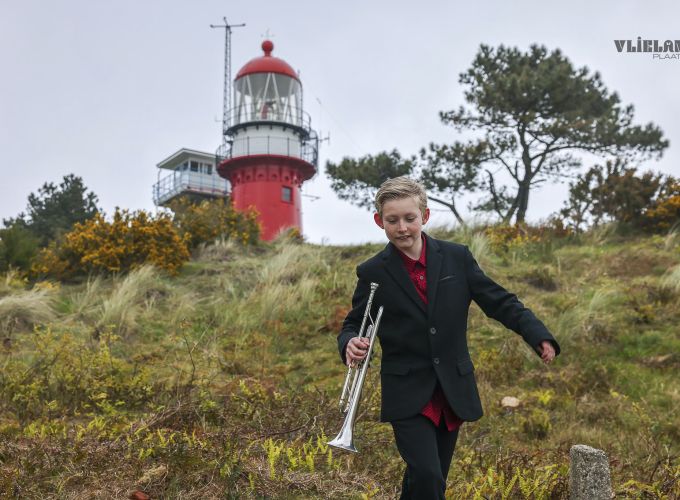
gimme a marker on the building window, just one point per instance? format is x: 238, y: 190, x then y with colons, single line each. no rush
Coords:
x: 208, y: 169
x: 286, y: 194
x: 194, y: 166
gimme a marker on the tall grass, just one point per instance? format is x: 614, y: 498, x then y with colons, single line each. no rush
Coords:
x: 443, y: 231
x: 671, y: 279
x: 12, y: 280
x: 85, y: 301
x: 592, y: 317
x: 121, y: 308
x: 471, y: 235
x: 182, y: 303
x: 280, y: 289
x: 26, y: 309
x: 219, y: 250
x: 290, y: 263
x: 480, y: 248
x: 281, y: 299
x: 602, y: 234
x: 672, y: 238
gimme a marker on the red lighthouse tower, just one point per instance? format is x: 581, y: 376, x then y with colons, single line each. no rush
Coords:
x: 270, y: 147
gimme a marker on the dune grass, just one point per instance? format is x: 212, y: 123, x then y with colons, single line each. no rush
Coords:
x: 129, y: 294
x: 223, y: 381
x: 84, y: 301
x: 26, y: 309
x: 672, y: 279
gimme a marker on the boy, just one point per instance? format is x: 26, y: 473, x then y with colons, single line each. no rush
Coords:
x: 426, y: 374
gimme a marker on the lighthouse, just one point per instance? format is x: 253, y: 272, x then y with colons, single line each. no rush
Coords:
x: 270, y: 148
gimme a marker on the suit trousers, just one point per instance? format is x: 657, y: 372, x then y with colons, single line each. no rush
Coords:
x: 427, y: 451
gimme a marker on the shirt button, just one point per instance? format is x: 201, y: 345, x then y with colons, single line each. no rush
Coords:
x: 436, y: 361
x: 433, y: 330
x: 422, y: 277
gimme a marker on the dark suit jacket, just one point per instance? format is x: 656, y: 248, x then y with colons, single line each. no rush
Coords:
x: 422, y: 344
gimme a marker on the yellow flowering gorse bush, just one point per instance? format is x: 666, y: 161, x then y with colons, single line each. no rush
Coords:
x: 128, y: 241
x: 504, y: 238
x: 212, y: 219
x: 664, y: 215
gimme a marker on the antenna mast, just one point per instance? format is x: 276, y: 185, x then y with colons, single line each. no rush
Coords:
x: 227, y: 73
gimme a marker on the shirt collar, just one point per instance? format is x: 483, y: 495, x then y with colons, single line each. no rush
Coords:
x: 422, y: 260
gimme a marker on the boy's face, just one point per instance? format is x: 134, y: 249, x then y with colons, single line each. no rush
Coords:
x: 403, y: 223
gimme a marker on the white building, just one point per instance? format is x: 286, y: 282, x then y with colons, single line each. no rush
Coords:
x: 188, y: 172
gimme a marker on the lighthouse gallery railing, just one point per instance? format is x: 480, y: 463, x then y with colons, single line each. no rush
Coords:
x: 307, y: 150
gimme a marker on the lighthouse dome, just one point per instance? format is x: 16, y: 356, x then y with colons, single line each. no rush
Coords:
x: 268, y: 90
x: 267, y: 64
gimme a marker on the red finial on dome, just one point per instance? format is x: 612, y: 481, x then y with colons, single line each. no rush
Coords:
x: 267, y: 47
x: 267, y: 64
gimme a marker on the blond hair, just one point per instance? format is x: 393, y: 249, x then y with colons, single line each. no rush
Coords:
x: 398, y: 188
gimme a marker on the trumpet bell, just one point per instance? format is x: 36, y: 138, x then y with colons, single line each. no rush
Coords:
x: 339, y: 443
x: 344, y: 439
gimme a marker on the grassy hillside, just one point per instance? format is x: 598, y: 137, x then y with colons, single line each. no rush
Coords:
x: 223, y: 381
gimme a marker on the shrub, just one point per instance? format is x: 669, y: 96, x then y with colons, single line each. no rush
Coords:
x: 541, y: 278
x: 67, y: 375
x: 536, y: 424
x: 18, y: 246
x: 623, y: 196
x: 504, y: 238
x: 289, y: 234
x: 214, y: 219
x: 130, y: 240
x: 664, y: 215
x: 618, y: 193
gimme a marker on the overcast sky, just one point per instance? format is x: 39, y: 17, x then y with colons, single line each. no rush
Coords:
x: 105, y: 90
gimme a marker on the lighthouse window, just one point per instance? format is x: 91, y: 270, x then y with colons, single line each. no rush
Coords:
x: 286, y: 194
x: 194, y: 166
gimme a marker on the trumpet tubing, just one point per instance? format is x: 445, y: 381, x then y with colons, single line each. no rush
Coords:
x: 354, y: 380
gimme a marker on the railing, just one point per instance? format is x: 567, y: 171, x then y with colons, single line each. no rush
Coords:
x: 179, y: 182
x: 297, y: 117
x: 307, y: 150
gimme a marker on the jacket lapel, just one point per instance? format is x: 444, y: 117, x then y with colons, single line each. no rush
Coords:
x: 432, y: 271
x: 395, y: 268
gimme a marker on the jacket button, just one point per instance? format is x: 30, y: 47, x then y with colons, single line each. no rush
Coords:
x: 436, y: 361
x: 433, y: 330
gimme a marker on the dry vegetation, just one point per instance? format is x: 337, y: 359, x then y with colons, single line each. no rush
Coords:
x: 222, y: 382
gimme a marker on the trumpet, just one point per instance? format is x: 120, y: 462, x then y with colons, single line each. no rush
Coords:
x: 354, y: 381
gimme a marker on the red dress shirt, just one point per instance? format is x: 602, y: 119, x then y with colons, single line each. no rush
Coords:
x: 438, y: 405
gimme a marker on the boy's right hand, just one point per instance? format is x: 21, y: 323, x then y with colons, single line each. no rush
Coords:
x: 356, y: 349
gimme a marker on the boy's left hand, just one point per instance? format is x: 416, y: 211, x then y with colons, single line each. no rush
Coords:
x: 547, y: 351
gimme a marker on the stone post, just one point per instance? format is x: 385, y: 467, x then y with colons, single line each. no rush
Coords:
x: 589, y: 474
